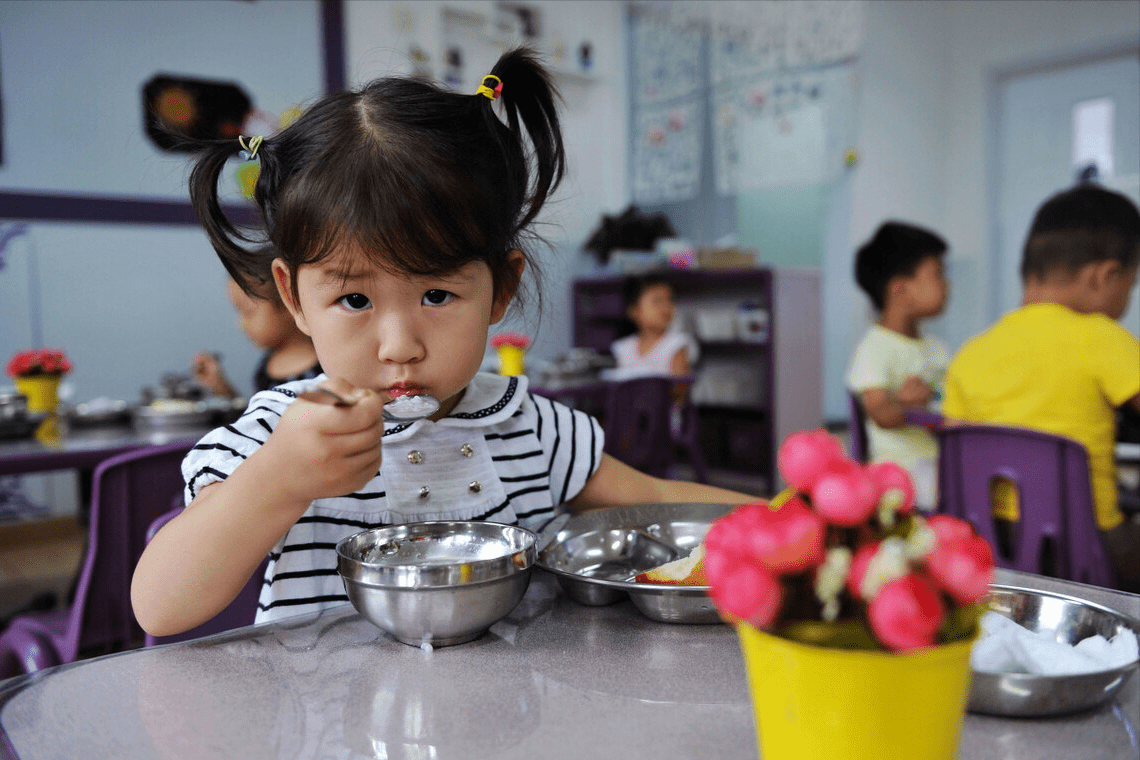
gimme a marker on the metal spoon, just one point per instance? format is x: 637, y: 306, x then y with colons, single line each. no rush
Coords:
x: 392, y: 410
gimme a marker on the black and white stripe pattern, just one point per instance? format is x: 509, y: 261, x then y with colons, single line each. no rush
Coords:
x: 542, y: 455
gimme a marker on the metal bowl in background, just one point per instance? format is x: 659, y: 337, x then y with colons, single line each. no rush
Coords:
x: 173, y: 415
x: 100, y: 413
x: 596, y: 555
x: 439, y: 583
x: 1071, y: 620
x: 13, y: 405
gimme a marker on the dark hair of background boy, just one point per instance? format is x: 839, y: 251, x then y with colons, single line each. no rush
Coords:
x: 1081, y: 226
x: 896, y: 249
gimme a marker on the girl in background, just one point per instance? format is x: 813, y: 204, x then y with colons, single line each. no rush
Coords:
x: 401, y: 215
x: 289, y: 353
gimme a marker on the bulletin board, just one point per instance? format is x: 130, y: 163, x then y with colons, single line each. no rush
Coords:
x: 768, y: 88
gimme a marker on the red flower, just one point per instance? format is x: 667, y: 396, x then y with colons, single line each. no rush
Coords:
x: 845, y: 542
x: 510, y: 339
x: 906, y: 614
x: 38, y: 362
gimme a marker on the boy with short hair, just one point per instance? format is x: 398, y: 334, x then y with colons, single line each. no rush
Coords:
x: 1061, y: 363
x: 895, y: 368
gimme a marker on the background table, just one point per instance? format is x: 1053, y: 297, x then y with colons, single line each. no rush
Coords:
x: 552, y: 680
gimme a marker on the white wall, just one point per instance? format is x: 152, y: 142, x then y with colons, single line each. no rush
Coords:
x: 927, y: 70
x: 128, y: 302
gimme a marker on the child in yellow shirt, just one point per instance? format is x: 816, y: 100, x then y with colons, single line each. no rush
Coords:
x: 1062, y: 363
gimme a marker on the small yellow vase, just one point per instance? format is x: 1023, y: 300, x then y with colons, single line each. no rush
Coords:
x: 511, y: 360
x: 812, y: 703
x: 42, y: 392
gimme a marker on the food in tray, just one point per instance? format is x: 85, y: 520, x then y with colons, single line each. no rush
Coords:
x: 172, y: 405
x: 686, y: 571
x: 1007, y: 647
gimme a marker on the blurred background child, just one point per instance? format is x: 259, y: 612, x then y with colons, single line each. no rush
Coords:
x: 895, y: 367
x: 656, y: 346
x: 1061, y: 363
x: 289, y: 353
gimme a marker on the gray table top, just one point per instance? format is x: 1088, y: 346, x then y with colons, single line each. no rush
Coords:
x: 553, y: 680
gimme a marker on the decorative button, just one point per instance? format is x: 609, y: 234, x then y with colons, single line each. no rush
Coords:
x: 415, y: 457
x: 466, y: 450
x: 474, y: 486
x: 424, y: 491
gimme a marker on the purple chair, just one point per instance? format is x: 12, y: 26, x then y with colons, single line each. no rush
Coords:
x: 128, y: 492
x: 1051, y: 474
x: 860, y: 451
x: 636, y: 423
x: 860, y: 448
x: 238, y: 614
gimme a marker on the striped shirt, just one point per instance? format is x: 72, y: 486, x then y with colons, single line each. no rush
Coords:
x: 502, y: 454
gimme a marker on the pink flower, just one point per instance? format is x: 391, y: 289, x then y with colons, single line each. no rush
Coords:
x: 845, y: 494
x: 962, y: 567
x: 906, y: 614
x: 888, y: 477
x: 806, y: 455
x: 949, y: 528
x: 745, y: 591
x: 785, y: 540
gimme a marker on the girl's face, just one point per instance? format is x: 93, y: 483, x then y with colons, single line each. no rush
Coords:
x: 654, y: 308
x: 267, y: 324
x: 396, y: 334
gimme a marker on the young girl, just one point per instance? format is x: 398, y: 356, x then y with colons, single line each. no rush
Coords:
x: 289, y: 353
x: 653, y: 347
x: 399, y: 212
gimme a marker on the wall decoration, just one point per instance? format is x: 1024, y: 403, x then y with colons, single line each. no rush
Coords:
x: 178, y: 106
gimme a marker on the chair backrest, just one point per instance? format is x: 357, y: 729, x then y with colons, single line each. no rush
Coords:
x: 858, y: 430
x: 128, y: 492
x: 239, y: 613
x: 1055, y: 498
x: 636, y: 423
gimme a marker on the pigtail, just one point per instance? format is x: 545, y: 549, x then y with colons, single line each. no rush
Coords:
x: 530, y: 98
x: 244, y: 266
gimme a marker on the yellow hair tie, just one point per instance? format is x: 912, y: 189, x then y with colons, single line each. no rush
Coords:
x: 250, y: 149
x: 491, y: 92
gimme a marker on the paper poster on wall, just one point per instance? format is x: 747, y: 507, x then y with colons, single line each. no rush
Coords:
x: 667, y: 55
x: 752, y: 37
x: 788, y: 149
x: 667, y: 153
x: 830, y: 93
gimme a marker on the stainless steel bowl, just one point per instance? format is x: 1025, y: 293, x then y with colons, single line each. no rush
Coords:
x: 596, y: 555
x: 439, y: 583
x: 1071, y: 620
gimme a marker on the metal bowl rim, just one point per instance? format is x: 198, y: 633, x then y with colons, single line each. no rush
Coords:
x: 380, y: 575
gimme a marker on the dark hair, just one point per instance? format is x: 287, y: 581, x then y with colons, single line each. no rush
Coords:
x: 1081, y: 226
x: 636, y: 284
x: 896, y: 249
x: 424, y: 180
x: 632, y: 288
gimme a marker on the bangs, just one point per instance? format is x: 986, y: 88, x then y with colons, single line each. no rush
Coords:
x: 407, y: 213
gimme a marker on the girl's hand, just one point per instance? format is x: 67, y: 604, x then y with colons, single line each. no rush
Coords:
x: 322, y: 449
x: 208, y: 372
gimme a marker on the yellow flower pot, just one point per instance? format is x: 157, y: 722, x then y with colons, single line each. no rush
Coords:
x: 812, y: 703
x: 511, y: 360
x: 42, y: 392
